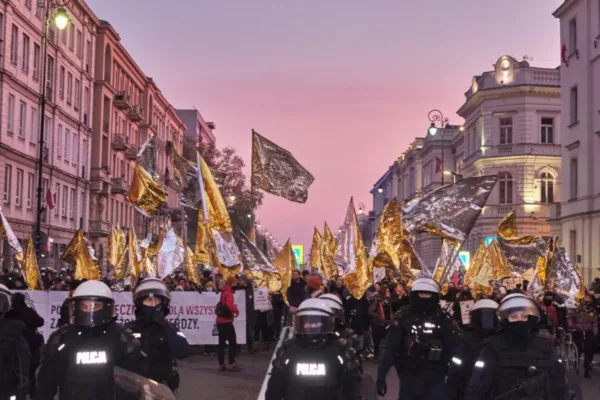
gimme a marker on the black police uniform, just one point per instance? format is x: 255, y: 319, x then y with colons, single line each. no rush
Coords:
x: 14, y: 360
x: 420, y: 344
x: 328, y: 369
x: 79, y: 362
x: 162, y: 343
x: 512, y: 369
x: 461, y: 365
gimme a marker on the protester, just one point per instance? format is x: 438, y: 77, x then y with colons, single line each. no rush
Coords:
x: 584, y: 320
x: 226, y: 312
x: 381, y: 314
x: 296, y: 293
x: 314, y: 286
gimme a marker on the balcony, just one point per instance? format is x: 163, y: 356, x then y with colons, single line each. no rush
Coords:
x: 99, y: 228
x: 120, y: 142
x: 122, y: 101
x: 135, y: 114
x: 119, y: 186
x: 132, y: 151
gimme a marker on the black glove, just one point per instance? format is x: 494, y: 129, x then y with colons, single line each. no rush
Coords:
x: 381, y: 387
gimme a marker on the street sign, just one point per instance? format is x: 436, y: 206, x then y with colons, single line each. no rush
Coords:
x: 298, y: 250
x: 465, y: 257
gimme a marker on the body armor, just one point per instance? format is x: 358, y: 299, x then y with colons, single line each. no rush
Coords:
x: 521, y: 367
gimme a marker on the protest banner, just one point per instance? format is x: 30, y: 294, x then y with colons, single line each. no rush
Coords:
x: 261, y: 299
x: 192, y: 313
x: 465, y: 311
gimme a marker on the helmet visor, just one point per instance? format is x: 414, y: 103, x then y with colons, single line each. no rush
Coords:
x: 150, y: 292
x: 484, y: 318
x: 91, y: 311
x: 518, y: 306
x: 312, y: 324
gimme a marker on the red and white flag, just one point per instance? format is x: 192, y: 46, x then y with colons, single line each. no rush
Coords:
x: 50, y: 199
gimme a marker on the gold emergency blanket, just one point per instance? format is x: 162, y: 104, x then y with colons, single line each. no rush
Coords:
x: 285, y: 263
x: 78, y: 256
x: 117, y: 247
x: 276, y: 171
x: 8, y: 236
x: 146, y: 195
x: 30, y: 267
x: 487, y: 266
x: 563, y: 276
x: 316, y: 251
x: 328, y: 254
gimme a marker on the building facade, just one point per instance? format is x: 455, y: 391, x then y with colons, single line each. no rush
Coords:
x: 576, y: 220
x: 67, y: 120
x: 512, y: 115
x: 199, y: 132
x: 128, y: 108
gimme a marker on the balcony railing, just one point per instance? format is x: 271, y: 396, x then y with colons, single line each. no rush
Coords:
x: 135, y: 114
x: 120, y: 142
x: 119, y: 185
x: 131, y: 152
x: 504, y: 149
x: 122, y: 101
x: 99, y: 228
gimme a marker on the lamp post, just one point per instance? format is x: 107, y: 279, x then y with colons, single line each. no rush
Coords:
x: 434, y: 116
x: 61, y: 19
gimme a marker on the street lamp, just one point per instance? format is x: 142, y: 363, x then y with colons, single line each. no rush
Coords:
x: 380, y: 190
x: 435, y: 116
x: 61, y: 20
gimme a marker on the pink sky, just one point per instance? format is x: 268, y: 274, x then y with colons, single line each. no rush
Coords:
x: 345, y: 86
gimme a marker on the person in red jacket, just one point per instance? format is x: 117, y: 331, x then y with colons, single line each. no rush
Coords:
x: 225, y: 326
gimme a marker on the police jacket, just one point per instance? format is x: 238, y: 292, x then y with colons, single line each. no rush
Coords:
x: 79, y: 363
x: 162, y: 343
x: 527, y: 369
x: 419, y: 342
x: 462, y: 362
x: 325, y: 370
x: 14, y: 360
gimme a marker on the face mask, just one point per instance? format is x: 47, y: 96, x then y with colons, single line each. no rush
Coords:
x: 424, y: 304
x: 147, y: 311
x: 518, y: 330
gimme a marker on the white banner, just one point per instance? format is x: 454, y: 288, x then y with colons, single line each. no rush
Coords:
x: 192, y: 313
x: 465, y: 311
x: 261, y: 299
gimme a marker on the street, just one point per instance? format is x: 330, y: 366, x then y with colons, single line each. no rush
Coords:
x: 199, y: 375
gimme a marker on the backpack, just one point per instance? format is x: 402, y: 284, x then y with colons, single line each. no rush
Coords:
x: 222, y: 311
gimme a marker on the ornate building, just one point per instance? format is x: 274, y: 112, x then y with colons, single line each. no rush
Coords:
x: 577, y: 219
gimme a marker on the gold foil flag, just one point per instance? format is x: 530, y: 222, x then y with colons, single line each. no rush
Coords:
x: 351, y: 256
x: 450, y: 211
x: 507, y: 229
x: 190, y: 267
x: 146, y: 195
x: 328, y: 254
x: 78, y: 256
x: 253, y: 258
x: 276, y: 171
x: 9, y: 237
x: 117, y: 247
x: 487, y: 266
x: 563, y: 276
x: 389, y: 237
x: 316, y: 250
x: 214, y: 209
x: 30, y: 267
x: 252, y: 235
x: 136, y: 262
x: 285, y: 263
x: 201, y: 252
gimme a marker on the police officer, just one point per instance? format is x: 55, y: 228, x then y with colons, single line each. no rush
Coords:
x: 14, y: 353
x: 420, y: 343
x: 161, y: 342
x: 335, y: 303
x: 315, y: 364
x: 517, y: 363
x: 79, y: 358
x: 483, y: 324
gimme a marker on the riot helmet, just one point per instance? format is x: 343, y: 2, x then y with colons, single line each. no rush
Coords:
x: 483, y: 315
x: 314, y: 318
x: 518, y: 307
x: 91, y: 305
x: 425, y: 294
x: 5, y: 300
x: 335, y: 303
x: 151, y: 295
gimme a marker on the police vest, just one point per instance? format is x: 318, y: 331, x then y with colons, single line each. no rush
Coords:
x: 423, y: 347
x: 313, y: 373
x: 515, y: 365
x: 91, y: 356
x: 158, y: 363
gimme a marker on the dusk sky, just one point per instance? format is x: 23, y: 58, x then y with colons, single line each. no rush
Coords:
x: 345, y: 85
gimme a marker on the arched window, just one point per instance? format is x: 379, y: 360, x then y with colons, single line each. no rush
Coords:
x: 547, y: 188
x: 107, y: 64
x: 505, y: 188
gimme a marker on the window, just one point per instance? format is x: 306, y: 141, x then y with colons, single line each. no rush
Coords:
x: 44, y: 192
x: 22, y: 119
x: 63, y: 36
x: 28, y: 4
x: 88, y: 59
x: 61, y: 88
x: 63, y: 210
x: 59, y: 141
x: 574, y: 110
x: 69, y: 88
x: 14, y: 44
x: 79, y: 44
x: 19, y: 194
x: 7, y: 183
x: 572, y: 36
x: 77, y: 94
x: 36, y: 61
x: 30, y: 185
x: 71, y: 36
x: 75, y: 148
x: 505, y: 188
x: 573, y: 177
x: 50, y: 77
x: 34, y: 126
x: 84, y: 156
x: 11, y: 113
x: 548, y: 130
x: 39, y: 12
x: 72, y: 204
x: 47, y: 134
x: 56, y: 207
x: 25, y: 65
x: 86, y: 101
x: 506, y: 131
x: 67, y: 140
x: 573, y: 245
x: 547, y: 188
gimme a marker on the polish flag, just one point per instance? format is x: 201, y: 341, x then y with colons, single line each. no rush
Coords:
x: 50, y: 199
